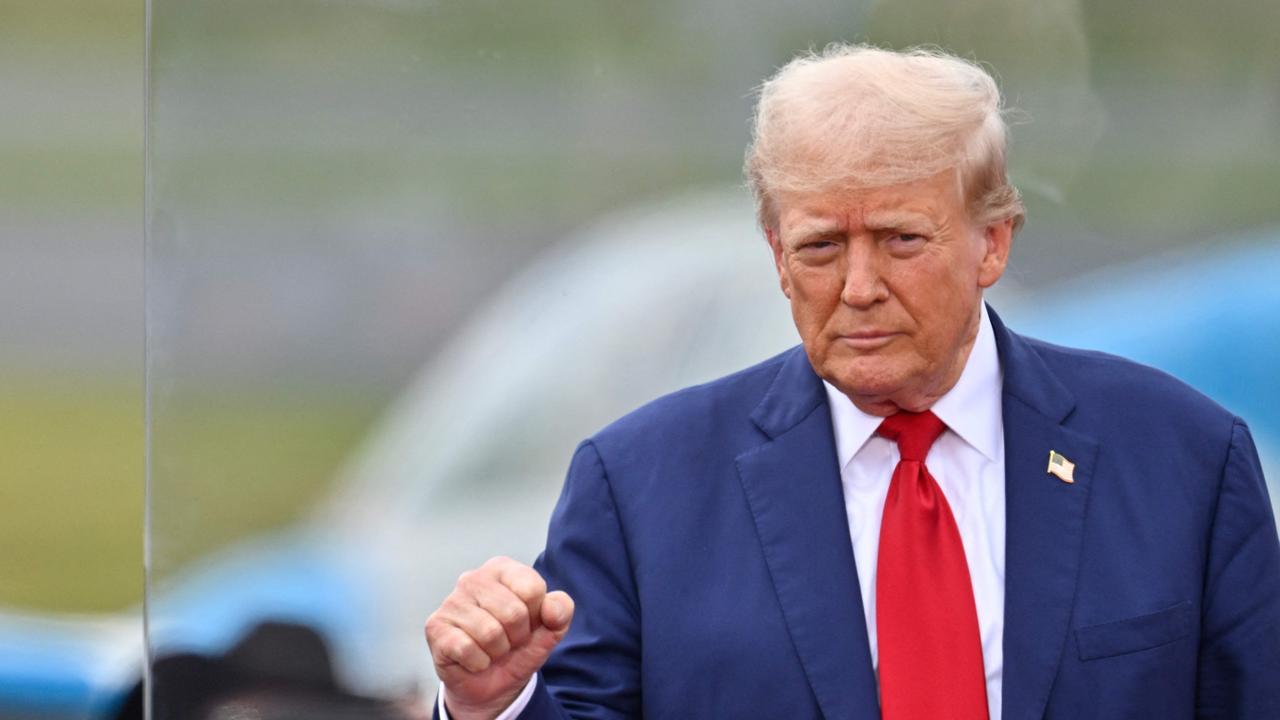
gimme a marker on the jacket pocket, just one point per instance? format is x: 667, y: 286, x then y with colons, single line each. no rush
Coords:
x: 1133, y: 634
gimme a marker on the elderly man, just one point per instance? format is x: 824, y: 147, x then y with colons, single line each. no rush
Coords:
x: 919, y: 514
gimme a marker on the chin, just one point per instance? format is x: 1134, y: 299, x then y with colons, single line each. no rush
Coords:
x: 864, y: 377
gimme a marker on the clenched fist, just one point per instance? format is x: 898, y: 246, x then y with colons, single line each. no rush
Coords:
x: 492, y: 634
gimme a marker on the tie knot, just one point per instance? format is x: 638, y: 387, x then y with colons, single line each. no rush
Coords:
x: 914, y: 433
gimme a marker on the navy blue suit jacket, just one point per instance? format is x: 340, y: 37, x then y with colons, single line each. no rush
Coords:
x: 704, y: 540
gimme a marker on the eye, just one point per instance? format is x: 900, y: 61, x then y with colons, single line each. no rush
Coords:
x: 817, y: 245
x: 904, y: 243
x: 817, y: 251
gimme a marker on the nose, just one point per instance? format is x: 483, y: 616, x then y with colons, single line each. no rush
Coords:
x: 863, y: 284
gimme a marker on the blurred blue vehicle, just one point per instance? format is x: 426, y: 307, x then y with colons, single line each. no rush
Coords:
x: 324, y: 619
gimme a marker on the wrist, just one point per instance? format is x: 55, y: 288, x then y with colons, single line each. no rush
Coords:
x: 453, y: 711
x: 507, y: 707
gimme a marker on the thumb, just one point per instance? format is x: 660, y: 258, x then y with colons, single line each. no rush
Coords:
x: 557, y: 612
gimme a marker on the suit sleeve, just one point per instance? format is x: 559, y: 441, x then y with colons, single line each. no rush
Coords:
x: 1239, y: 673
x: 595, y: 671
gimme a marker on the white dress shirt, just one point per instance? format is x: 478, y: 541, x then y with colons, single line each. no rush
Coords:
x: 967, y: 461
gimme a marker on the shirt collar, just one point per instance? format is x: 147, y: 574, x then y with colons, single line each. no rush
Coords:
x: 971, y: 408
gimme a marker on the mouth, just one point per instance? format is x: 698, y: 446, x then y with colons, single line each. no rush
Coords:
x: 867, y: 339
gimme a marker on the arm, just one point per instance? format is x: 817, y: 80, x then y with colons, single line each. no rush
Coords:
x: 595, y: 670
x: 1239, y: 666
x: 502, y: 621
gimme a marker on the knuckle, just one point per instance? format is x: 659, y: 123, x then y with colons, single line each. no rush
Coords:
x: 455, y: 646
x: 512, y: 614
x: 490, y: 634
x: 529, y: 585
x: 440, y: 652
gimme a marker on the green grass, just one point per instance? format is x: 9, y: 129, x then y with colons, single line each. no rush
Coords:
x: 71, y: 463
x: 50, y: 178
x: 226, y: 467
x: 1177, y: 198
x: 72, y: 32
x: 71, y: 480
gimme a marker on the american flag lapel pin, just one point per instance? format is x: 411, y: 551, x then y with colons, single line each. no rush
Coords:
x: 1061, y: 468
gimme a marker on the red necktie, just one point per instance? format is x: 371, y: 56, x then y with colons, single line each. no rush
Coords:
x: 926, y: 621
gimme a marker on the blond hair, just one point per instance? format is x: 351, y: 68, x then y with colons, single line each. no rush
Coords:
x: 855, y: 116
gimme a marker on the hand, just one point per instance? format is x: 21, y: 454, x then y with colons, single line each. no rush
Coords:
x: 492, y: 634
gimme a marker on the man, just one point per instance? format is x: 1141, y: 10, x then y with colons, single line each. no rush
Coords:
x: 918, y: 514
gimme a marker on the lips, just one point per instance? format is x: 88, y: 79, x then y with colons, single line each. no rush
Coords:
x: 867, y: 339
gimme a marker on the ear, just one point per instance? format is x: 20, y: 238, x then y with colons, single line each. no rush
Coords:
x: 997, y: 240
x: 771, y: 234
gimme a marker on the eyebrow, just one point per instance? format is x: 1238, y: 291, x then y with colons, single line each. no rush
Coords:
x: 898, y: 219
x: 812, y: 228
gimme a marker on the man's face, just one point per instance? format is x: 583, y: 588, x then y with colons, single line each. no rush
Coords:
x: 885, y: 286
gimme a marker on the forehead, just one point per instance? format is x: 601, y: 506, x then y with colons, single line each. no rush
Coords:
x: 936, y: 199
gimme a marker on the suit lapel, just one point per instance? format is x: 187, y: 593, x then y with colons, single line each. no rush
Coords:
x: 1044, y: 523
x: 792, y: 484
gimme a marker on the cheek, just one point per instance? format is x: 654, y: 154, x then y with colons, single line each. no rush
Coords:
x: 939, y: 298
x: 814, y: 280
x: 814, y: 293
x: 814, y: 290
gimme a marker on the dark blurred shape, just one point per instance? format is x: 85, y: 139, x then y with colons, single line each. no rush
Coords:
x: 186, y: 684
x: 284, y: 653
x: 279, y: 671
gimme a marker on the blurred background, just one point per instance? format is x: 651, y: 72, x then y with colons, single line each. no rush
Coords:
x: 403, y: 255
